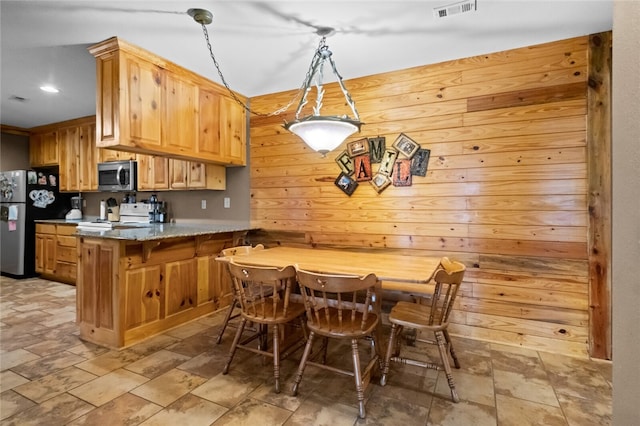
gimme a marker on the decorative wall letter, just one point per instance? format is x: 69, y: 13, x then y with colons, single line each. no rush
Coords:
x: 402, y: 173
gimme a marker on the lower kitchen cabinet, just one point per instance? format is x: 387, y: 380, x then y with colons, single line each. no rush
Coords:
x: 56, y: 256
x: 130, y: 290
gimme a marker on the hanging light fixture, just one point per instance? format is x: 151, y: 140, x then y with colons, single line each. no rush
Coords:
x: 321, y: 133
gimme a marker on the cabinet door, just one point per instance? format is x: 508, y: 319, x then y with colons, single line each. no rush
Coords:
x: 45, y: 248
x: 49, y: 254
x: 196, y: 175
x: 43, y: 149
x: 180, y: 285
x: 70, y: 159
x: 233, y: 131
x: 153, y: 172
x: 180, y: 113
x: 88, y: 158
x: 96, y: 286
x: 142, y: 296
x: 214, y: 283
x: 142, y: 97
x: 178, y: 173
x: 222, y: 128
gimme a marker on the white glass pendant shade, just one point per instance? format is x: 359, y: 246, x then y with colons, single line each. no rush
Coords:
x: 323, y: 134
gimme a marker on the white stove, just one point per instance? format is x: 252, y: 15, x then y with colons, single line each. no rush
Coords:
x: 134, y: 212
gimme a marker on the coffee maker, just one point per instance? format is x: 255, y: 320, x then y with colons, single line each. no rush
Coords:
x: 76, y: 208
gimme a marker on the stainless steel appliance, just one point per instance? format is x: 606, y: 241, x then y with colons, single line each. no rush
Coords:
x: 118, y: 176
x: 135, y: 212
x: 26, y: 196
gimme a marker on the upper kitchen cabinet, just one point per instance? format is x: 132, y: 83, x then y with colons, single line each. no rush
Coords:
x: 148, y: 105
x: 43, y: 147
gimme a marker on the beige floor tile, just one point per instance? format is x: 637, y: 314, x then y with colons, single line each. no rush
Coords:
x: 323, y: 412
x: 88, y: 350
x: 125, y: 410
x: 206, y: 365
x: 108, y: 387
x: 58, y: 319
x: 110, y: 361
x: 444, y: 412
x: 153, y: 344
x: 167, y: 388
x: 187, y: 330
x: 587, y: 412
x: 528, y: 388
x: 13, y: 358
x: 55, y: 411
x: 284, y: 399
x: 9, y: 380
x: 227, y: 390
x: 472, y: 388
x: 383, y: 410
x: 47, y: 365
x: 54, y: 384
x: 188, y: 410
x: 12, y: 402
x: 157, y: 363
x: 254, y: 412
x: 514, y: 411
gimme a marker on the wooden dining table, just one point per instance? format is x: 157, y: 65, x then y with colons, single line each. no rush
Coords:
x: 397, y: 272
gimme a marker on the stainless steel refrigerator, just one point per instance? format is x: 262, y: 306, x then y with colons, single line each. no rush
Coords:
x: 26, y: 196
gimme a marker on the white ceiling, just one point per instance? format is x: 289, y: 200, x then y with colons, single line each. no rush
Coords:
x: 262, y: 46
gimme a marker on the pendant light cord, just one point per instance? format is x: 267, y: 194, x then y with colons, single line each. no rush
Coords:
x: 245, y: 106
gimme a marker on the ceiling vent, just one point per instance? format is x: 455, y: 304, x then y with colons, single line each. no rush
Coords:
x: 455, y: 9
x: 17, y: 98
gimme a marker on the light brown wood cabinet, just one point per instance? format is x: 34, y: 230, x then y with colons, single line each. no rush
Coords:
x: 130, y: 290
x: 46, y: 249
x: 43, y: 147
x: 153, y: 172
x: 56, y: 256
x: 191, y: 175
x: 149, y: 105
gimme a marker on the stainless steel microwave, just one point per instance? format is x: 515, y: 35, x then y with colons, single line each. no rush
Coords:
x: 118, y: 176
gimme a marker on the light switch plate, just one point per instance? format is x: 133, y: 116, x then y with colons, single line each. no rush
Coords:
x: 227, y: 202
x: 203, y: 204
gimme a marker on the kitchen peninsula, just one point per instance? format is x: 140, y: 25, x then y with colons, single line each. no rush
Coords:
x: 135, y: 282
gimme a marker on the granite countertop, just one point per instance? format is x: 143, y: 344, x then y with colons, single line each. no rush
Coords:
x: 153, y: 231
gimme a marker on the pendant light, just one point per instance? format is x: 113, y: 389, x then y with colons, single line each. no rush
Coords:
x: 321, y: 133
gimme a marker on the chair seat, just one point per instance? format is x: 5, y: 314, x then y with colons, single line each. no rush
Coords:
x: 268, y: 316
x: 348, y: 329
x: 413, y: 315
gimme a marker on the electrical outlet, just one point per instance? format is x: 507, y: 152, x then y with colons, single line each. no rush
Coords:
x: 203, y: 204
x: 227, y: 202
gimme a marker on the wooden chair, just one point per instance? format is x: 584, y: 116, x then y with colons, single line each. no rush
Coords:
x: 341, y: 307
x: 263, y: 294
x: 232, y: 251
x: 433, y: 316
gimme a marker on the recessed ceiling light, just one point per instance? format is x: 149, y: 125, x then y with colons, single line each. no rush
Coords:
x: 49, y: 89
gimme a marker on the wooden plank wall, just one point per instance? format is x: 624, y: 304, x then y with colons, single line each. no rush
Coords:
x: 506, y: 190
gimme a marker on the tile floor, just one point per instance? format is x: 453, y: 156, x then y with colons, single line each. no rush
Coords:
x: 48, y: 376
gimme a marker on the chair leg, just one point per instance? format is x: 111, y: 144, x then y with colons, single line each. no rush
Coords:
x: 276, y: 357
x: 234, y: 345
x: 395, y: 331
x: 453, y: 353
x: 445, y: 362
x: 303, y: 363
x: 357, y: 375
x: 227, y: 317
